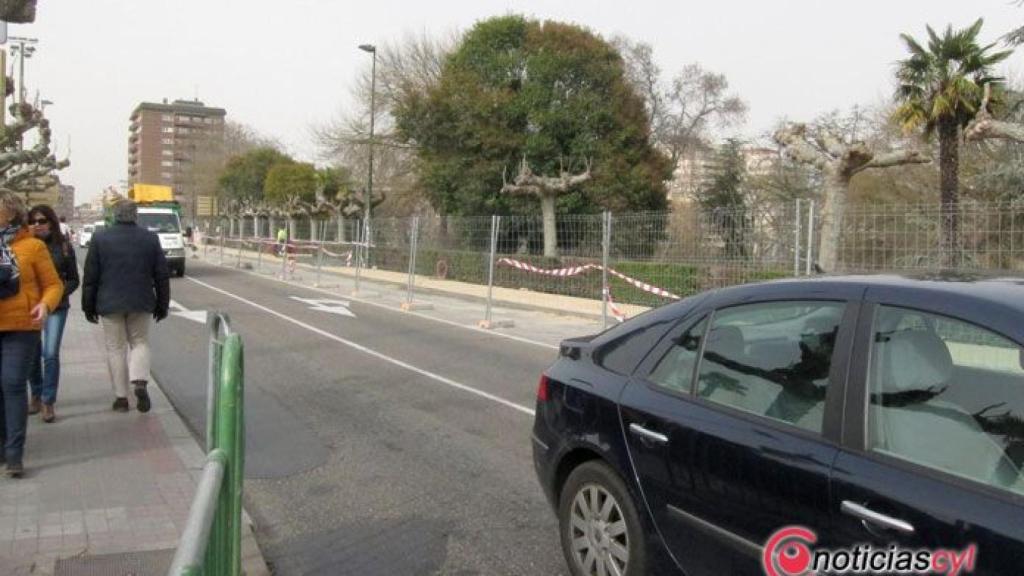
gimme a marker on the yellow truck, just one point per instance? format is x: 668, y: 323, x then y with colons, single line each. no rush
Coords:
x: 160, y: 213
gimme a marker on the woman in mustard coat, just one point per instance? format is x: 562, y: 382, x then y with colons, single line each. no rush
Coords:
x: 29, y: 290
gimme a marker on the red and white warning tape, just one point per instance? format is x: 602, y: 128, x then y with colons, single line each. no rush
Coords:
x: 619, y: 314
x: 560, y: 272
x: 576, y: 270
x: 347, y: 256
x: 644, y: 285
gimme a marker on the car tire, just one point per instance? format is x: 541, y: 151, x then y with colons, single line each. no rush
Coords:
x: 600, y: 534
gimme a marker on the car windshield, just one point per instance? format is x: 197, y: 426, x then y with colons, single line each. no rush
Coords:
x: 160, y: 222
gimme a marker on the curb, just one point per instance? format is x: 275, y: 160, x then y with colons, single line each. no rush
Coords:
x: 336, y: 272
x: 186, y: 445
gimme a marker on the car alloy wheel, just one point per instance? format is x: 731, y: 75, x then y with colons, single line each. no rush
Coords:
x: 600, y: 540
x: 601, y: 531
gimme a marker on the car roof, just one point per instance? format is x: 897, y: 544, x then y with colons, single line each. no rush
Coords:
x: 990, y: 299
x: 1005, y: 290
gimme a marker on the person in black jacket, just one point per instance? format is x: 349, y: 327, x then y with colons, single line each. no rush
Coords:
x: 126, y: 281
x: 45, y: 375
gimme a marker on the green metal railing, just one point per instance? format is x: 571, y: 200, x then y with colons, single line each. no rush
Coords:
x: 212, y: 541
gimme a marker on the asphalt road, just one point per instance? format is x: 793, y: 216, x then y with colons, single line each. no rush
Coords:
x: 383, y: 443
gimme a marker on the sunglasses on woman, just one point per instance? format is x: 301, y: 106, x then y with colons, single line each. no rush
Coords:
x: 39, y: 221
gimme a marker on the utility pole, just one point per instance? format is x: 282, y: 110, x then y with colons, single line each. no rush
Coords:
x: 368, y: 200
x: 22, y: 48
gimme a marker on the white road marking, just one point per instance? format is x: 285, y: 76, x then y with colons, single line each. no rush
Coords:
x: 369, y: 351
x: 339, y: 307
x: 177, y: 309
x: 391, y: 308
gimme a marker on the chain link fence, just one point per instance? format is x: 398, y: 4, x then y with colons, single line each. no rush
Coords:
x: 648, y: 259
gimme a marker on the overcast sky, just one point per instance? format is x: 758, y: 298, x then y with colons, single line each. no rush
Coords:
x: 284, y: 72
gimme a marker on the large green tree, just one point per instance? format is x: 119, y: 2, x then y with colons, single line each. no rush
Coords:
x: 548, y: 96
x: 243, y: 178
x: 723, y: 196
x: 941, y: 86
x: 290, y: 190
x: 290, y: 183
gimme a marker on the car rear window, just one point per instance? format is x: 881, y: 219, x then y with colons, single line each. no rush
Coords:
x: 623, y: 354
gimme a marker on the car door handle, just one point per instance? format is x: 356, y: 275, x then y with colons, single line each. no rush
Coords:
x: 648, y: 434
x: 880, y: 520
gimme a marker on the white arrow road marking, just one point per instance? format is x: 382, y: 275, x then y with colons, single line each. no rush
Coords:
x: 193, y: 315
x: 339, y: 307
x: 369, y: 351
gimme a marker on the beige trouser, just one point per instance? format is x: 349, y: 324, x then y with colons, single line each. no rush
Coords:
x: 127, y: 340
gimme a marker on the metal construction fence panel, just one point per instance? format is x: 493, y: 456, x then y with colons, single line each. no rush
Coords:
x: 646, y: 259
x: 910, y: 237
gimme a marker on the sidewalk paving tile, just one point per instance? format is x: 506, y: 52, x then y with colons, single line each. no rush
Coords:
x: 98, y: 482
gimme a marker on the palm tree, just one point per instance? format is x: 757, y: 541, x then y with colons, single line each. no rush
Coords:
x: 940, y: 89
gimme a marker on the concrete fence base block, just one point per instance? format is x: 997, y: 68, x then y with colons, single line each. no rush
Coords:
x: 245, y: 266
x: 492, y: 324
x: 365, y: 294
x: 416, y: 306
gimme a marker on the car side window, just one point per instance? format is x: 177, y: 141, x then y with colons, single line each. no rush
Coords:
x: 948, y: 395
x: 772, y: 359
x: 675, y: 369
x: 623, y: 354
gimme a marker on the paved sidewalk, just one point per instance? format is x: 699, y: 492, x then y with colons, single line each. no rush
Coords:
x: 514, y: 297
x: 453, y: 302
x: 99, y: 482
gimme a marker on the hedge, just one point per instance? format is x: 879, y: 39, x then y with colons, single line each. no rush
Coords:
x: 472, y: 267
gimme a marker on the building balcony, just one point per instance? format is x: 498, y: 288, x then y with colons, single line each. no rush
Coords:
x: 133, y: 137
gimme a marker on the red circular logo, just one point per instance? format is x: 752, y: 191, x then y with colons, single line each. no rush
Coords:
x: 788, y: 552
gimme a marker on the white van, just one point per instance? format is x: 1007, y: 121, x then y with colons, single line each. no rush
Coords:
x: 164, y: 221
x: 87, y: 233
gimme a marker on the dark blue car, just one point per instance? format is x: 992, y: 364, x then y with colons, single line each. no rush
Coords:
x: 865, y: 424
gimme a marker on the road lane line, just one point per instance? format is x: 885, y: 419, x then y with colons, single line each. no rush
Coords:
x: 390, y: 308
x: 369, y: 351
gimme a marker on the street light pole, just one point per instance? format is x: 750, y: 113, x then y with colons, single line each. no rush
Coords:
x: 24, y: 48
x: 368, y: 200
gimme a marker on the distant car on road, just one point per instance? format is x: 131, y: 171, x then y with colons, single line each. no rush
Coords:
x: 877, y: 411
x: 87, y: 232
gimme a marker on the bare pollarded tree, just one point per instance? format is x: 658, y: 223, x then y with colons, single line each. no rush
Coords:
x: 838, y: 161
x: 985, y: 126
x: 685, y: 109
x: 32, y: 169
x: 406, y: 70
x: 547, y: 189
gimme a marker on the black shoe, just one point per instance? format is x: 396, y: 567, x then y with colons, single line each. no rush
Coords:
x: 15, y: 470
x: 142, y: 397
x: 120, y: 405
